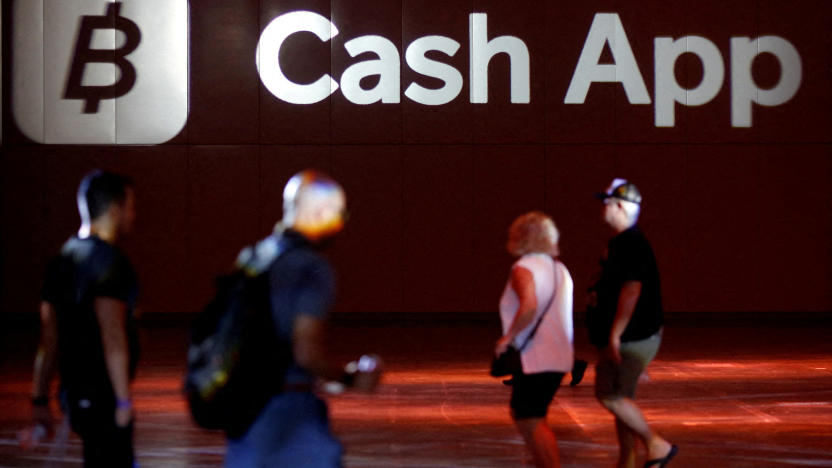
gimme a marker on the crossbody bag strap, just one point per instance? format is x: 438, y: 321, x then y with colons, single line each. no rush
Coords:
x: 548, y: 305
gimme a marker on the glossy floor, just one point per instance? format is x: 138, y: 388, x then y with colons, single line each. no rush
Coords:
x: 729, y: 395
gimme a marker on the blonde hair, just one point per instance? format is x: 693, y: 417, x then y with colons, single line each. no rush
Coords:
x: 533, y: 232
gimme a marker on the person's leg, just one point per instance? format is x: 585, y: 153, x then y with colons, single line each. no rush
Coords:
x: 530, y: 399
x: 628, y: 415
x: 626, y: 445
x: 541, y: 441
x: 292, y: 430
x: 108, y: 448
x: 615, y: 389
x: 312, y: 442
x: 105, y: 445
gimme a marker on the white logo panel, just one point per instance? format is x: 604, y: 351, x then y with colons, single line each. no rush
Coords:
x: 100, y: 72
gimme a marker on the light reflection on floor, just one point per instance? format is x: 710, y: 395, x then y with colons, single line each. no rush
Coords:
x: 437, y: 407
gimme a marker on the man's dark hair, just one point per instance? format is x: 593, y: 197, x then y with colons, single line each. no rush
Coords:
x: 99, y: 189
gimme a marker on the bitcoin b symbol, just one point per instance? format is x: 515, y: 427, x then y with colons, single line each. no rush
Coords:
x: 84, y: 55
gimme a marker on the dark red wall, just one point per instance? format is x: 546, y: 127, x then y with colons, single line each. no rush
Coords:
x: 740, y: 218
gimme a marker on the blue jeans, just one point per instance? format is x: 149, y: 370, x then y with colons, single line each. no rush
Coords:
x: 292, y: 430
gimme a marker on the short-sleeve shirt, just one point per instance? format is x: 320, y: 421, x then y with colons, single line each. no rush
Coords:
x: 301, y: 282
x: 550, y: 349
x: 84, y: 270
x: 629, y: 258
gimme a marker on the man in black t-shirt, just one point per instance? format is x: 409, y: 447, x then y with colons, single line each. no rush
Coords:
x: 625, y: 324
x: 87, y: 325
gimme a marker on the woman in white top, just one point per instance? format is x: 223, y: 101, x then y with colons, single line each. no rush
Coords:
x: 539, y: 286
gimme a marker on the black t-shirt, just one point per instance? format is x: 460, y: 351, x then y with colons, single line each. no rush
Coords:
x: 84, y: 270
x: 629, y: 258
x: 301, y: 282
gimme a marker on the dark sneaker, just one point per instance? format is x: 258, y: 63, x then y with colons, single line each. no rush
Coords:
x: 578, y: 370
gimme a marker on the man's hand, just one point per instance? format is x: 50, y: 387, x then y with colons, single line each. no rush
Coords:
x: 123, y: 416
x: 366, y: 372
x: 627, y: 300
x: 42, y: 427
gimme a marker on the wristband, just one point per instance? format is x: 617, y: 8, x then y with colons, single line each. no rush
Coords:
x: 40, y: 401
x: 125, y: 403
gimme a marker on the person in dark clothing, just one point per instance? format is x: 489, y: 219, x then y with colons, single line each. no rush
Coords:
x: 293, y: 428
x: 87, y: 325
x: 626, y: 324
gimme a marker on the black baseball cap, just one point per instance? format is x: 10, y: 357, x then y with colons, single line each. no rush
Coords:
x: 621, y: 189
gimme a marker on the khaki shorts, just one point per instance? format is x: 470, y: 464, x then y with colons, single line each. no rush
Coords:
x: 615, y: 380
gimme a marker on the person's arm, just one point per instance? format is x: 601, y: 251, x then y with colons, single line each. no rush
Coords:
x: 522, y: 282
x: 47, y: 352
x: 627, y: 299
x: 112, y: 320
x: 44, y: 367
x: 315, y: 294
x: 308, y: 347
x: 310, y: 353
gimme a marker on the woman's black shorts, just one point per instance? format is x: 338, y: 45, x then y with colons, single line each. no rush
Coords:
x: 532, y: 394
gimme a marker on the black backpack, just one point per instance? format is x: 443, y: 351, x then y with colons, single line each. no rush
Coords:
x: 236, y: 362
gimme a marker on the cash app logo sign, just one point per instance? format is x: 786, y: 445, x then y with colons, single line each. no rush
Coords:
x: 98, y: 72
x: 84, y: 55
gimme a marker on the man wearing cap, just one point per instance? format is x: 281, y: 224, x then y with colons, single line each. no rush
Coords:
x: 625, y: 324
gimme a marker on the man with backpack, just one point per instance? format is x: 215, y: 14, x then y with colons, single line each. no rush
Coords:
x: 292, y: 428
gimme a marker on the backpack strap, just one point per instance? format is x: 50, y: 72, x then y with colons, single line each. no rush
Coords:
x: 256, y: 259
